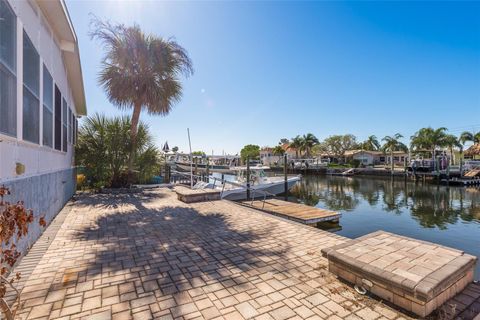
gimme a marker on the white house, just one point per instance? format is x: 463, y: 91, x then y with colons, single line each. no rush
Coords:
x: 377, y: 157
x: 41, y: 97
x: 268, y: 158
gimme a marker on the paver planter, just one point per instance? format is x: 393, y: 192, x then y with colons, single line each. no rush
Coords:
x: 415, y: 275
x: 197, y: 195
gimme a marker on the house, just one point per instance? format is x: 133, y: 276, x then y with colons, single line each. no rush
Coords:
x: 290, y: 152
x: 368, y: 158
x: 268, y: 158
x: 41, y: 97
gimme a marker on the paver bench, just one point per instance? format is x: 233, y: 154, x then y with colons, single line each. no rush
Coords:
x: 188, y: 195
x: 415, y: 275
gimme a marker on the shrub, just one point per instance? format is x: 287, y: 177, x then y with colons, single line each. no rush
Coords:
x: 14, y: 222
x: 81, y: 180
x: 103, y: 148
x: 355, y: 163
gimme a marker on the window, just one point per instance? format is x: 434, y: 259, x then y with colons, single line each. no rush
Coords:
x: 47, y: 108
x: 8, y: 78
x: 64, y: 125
x: 72, y: 119
x: 70, y: 135
x: 75, y: 129
x: 58, y: 119
x: 31, y: 87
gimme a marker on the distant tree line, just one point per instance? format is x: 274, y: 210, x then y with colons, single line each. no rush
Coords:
x: 426, y: 141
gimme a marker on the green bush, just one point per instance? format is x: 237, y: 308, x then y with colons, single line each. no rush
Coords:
x: 103, y: 149
x: 354, y: 163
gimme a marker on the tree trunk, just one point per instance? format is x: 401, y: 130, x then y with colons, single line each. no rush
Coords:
x: 391, y: 160
x: 133, y: 139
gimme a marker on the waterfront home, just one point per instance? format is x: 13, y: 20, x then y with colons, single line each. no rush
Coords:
x: 268, y: 158
x: 41, y: 97
x: 368, y: 158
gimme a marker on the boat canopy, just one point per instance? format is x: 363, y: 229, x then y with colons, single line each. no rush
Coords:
x: 244, y: 168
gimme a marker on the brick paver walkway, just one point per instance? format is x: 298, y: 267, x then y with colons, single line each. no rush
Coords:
x: 151, y: 256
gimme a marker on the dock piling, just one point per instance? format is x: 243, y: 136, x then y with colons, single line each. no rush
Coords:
x: 285, y: 176
x: 248, y: 178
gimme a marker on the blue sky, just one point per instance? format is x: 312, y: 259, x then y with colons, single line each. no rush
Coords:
x: 271, y: 70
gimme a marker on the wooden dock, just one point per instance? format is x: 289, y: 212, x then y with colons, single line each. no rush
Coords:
x: 294, y: 211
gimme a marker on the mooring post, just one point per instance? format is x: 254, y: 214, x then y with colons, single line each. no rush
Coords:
x: 248, y: 178
x: 168, y: 173
x: 196, y: 165
x: 285, y: 168
x: 448, y: 174
x: 208, y: 170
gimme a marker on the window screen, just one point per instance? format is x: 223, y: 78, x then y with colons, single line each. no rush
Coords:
x: 58, y: 119
x: 64, y: 125
x: 47, y: 108
x: 31, y: 85
x: 8, y: 79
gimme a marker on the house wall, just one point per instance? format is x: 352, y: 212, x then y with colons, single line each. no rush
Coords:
x: 398, y: 159
x: 364, y: 158
x: 36, y: 158
x: 45, y: 194
x: 270, y: 160
x: 49, y: 178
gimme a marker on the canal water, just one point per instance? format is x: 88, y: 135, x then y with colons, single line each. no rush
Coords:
x: 446, y: 215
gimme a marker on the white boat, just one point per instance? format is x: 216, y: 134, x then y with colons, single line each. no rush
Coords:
x: 261, y: 185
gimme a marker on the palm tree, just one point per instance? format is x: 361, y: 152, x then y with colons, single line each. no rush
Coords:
x: 371, y: 144
x: 308, y: 142
x: 278, y: 151
x: 469, y: 136
x: 393, y: 143
x: 103, y: 148
x: 452, y: 142
x: 429, y: 139
x: 296, y: 144
x: 140, y: 71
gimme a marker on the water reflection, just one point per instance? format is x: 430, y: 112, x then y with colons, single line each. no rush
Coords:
x: 430, y: 205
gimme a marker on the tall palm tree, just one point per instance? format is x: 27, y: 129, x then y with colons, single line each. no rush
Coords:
x: 371, y: 144
x: 308, y: 142
x: 392, y: 144
x: 429, y: 139
x: 296, y: 143
x: 452, y: 142
x: 140, y: 71
x: 469, y: 136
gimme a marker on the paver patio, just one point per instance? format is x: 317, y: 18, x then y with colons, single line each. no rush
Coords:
x: 149, y: 256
